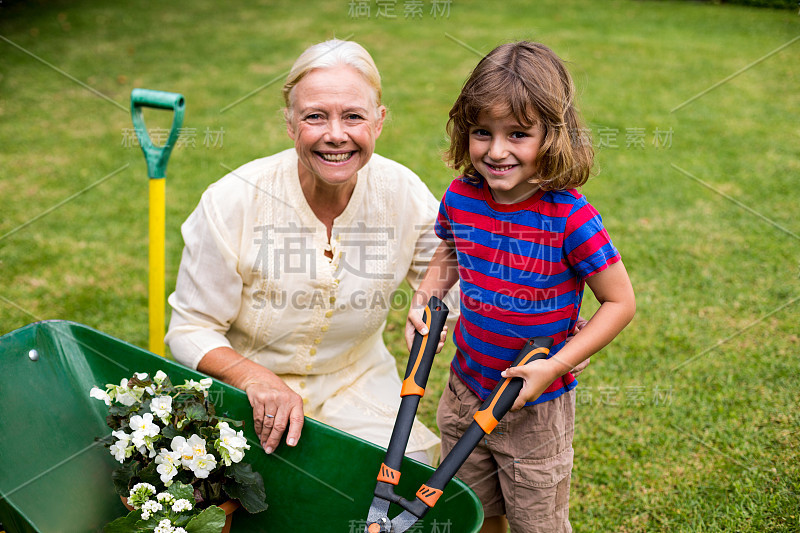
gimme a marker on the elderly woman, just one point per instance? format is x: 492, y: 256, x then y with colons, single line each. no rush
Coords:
x: 291, y: 262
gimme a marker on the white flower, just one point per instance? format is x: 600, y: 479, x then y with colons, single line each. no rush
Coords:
x: 161, y: 406
x: 121, y: 435
x: 152, y: 506
x: 146, y: 487
x: 140, y: 494
x: 121, y: 449
x: 144, y: 432
x: 231, y: 444
x: 168, y: 466
x: 165, y: 526
x: 179, y: 445
x: 203, y: 385
x: 141, y: 375
x: 189, y: 449
x: 202, y: 465
x: 124, y: 395
x: 144, y: 425
x: 120, y: 453
x: 165, y: 496
x: 197, y: 444
x: 159, y: 377
x: 181, y: 505
x: 100, y: 394
x: 178, y: 530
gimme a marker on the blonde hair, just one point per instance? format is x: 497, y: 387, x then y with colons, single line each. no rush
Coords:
x: 529, y: 81
x: 333, y: 53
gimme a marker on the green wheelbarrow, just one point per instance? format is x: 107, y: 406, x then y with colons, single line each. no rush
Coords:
x: 54, y: 477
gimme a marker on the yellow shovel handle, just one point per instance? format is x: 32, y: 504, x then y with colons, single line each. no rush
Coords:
x: 156, y: 265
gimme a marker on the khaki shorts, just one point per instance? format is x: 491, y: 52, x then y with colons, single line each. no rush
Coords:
x: 521, y: 469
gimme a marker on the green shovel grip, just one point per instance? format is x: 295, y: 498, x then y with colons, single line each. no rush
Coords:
x: 156, y: 156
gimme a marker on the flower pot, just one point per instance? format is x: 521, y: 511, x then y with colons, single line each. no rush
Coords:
x: 229, y: 507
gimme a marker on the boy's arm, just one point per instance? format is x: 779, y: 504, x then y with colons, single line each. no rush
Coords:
x: 440, y: 277
x: 612, y: 288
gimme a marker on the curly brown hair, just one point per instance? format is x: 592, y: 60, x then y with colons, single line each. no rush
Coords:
x: 531, y: 82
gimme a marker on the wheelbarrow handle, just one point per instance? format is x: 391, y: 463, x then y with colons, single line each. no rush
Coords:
x: 156, y: 156
x: 420, y: 361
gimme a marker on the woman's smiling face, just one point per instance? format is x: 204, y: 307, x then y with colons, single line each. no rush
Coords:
x: 334, y: 121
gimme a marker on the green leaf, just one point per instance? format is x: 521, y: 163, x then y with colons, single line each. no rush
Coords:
x: 170, y: 432
x: 117, y: 409
x: 247, y: 487
x: 243, y: 473
x: 181, y: 490
x: 231, y: 422
x: 124, y: 524
x: 211, y: 520
x: 181, y: 521
x: 196, y: 411
x: 149, y: 524
x: 122, y: 477
x: 113, y: 422
x: 149, y: 475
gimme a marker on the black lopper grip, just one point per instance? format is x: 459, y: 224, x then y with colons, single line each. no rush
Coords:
x: 420, y: 361
x: 493, y: 409
x: 423, y: 348
x: 505, y: 393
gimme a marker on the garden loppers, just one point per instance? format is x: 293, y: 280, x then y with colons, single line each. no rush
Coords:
x: 486, y: 418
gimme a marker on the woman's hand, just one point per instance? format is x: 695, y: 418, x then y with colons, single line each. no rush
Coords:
x: 276, y: 408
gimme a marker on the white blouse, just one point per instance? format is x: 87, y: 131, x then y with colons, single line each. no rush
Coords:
x: 254, y: 277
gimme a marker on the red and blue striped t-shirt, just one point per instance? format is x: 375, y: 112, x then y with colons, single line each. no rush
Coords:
x: 522, y: 269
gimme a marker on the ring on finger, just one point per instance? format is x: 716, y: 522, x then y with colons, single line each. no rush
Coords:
x: 270, y: 416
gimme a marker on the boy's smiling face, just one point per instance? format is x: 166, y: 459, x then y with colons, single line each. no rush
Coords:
x: 504, y: 152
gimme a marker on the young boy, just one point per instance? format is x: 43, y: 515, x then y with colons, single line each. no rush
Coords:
x: 524, y: 243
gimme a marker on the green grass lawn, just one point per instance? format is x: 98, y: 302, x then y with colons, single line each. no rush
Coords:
x: 687, y: 422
